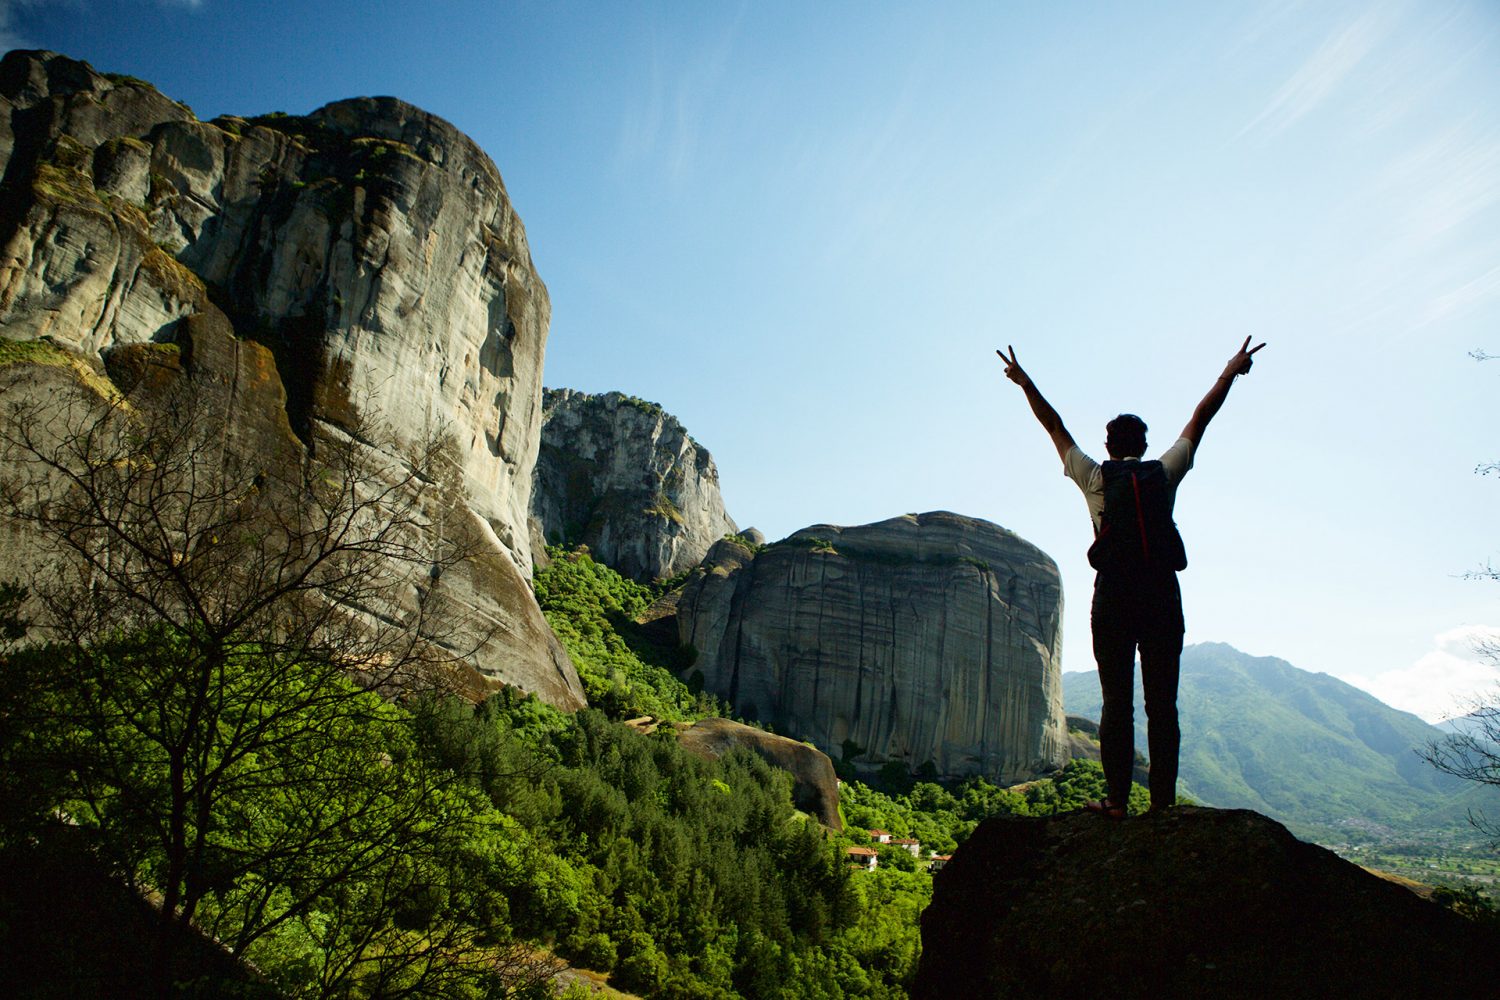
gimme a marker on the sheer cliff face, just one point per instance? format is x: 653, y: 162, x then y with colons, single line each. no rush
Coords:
x: 624, y: 478
x: 371, y: 246
x: 922, y: 639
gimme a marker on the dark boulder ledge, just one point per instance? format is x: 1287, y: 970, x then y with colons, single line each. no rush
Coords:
x: 1195, y: 903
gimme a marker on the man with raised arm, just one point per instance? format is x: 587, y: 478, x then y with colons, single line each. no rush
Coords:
x: 1137, y: 554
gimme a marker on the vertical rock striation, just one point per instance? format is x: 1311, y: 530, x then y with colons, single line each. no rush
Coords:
x: 369, y: 245
x: 925, y: 639
x: 623, y: 477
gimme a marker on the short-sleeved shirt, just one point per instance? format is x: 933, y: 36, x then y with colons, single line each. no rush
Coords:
x: 1087, y: 473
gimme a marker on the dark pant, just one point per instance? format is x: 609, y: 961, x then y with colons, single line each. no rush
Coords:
x: 1142, y: 612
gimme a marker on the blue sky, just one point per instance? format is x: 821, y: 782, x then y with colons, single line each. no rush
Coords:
x: 804, y: 229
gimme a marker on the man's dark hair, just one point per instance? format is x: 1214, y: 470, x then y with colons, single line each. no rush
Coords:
x: 1125, y: 437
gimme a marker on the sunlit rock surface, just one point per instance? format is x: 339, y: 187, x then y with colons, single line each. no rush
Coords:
x: 623, y: 477
x: 928, y: 639
x: 370, y: 246
x: 817, y: 787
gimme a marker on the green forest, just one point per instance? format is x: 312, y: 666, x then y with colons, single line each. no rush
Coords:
x: 349, y: 845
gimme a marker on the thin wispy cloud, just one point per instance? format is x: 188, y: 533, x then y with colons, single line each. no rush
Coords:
x: 641, y: 126
x: 1448, y: 181
x: 1323, y: 73
x: 10, y: 35
x: 1432, y: 54
x: 1269, y: 19
x: 1463, y: 299
x: 12, y: 14
x: 876, y: 167
x: 14, y: 36
x: 666, y: 122
x: 1440, y: 205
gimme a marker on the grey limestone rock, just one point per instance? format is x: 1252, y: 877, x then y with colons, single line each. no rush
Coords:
x: 370, y: 246
x: 816, y: 788
x: 923, y: 639
x: 623, y: 477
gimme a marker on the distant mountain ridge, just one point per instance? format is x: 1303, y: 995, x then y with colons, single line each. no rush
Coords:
x: 1476, y: 724
x: 1304, y: 748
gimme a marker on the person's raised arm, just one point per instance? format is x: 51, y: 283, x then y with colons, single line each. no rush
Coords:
x: 1045, y: 414
x: 1238, y: 365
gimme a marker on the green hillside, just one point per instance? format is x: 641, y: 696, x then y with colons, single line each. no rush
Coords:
x: 1307, y: 749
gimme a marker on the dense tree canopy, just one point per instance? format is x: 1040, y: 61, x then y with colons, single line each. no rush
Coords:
x: 222, y: 742
x: 200, y: 696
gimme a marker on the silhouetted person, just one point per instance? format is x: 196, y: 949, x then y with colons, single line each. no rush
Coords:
x: 1137, y: 554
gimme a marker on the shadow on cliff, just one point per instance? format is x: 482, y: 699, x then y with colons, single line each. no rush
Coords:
x: 1195, y: 903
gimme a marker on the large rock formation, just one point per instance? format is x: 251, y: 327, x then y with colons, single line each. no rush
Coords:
x: 1192, y: 903
x: 816, y: 788
x: 623, y: 477
x: 930, y: 639
x: 370, y: 246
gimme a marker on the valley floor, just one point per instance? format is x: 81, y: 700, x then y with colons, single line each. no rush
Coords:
x: 1430, y: 864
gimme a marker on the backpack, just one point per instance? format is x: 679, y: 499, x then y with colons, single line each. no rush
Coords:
x: 1136, y: 532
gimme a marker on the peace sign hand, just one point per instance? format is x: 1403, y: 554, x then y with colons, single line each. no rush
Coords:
x: 1242, y: 361
x: 1013, y: 369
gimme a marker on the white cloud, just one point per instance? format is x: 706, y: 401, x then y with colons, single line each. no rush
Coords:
x: 1443, y: 682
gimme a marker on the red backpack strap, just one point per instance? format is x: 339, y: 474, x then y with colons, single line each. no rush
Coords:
x: 1140, y: 516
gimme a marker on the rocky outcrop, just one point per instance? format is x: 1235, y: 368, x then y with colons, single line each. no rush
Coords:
x: 927, y: 639
x: 1192, y: 903
x: 623, y: 477
x: 1083, y: 744
x: 370, y: 247
x: 816, y: 787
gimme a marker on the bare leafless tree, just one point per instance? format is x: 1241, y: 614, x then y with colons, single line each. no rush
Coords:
x: 1474, y: 753
x: 216, y: 611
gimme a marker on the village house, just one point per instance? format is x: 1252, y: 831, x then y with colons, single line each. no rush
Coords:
x: 937, y: 861
x: 880, y: 836
x: 864, y: 858
x: 913, y: 847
